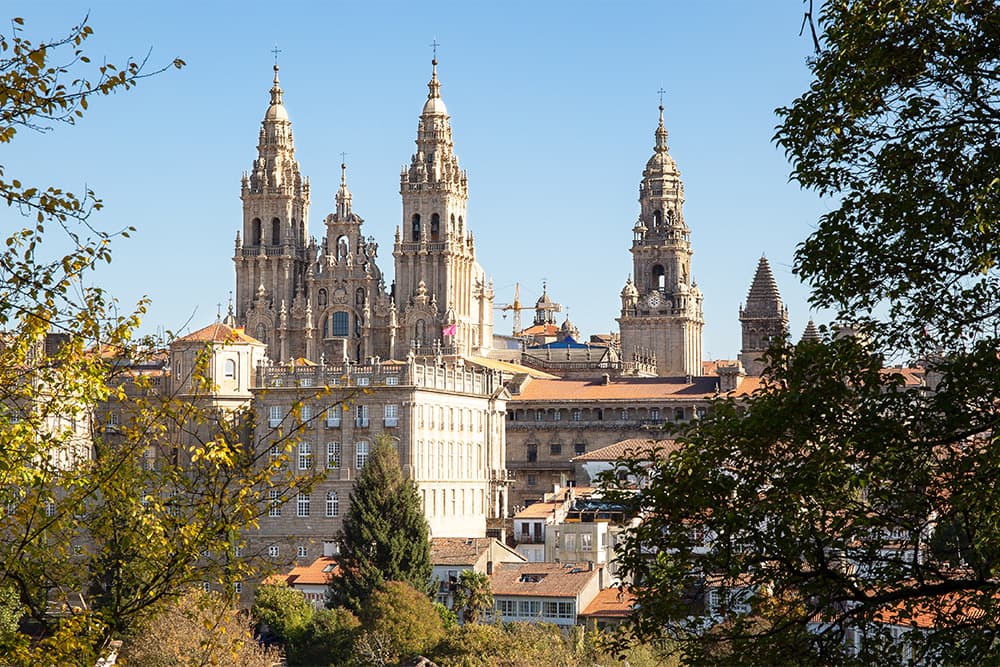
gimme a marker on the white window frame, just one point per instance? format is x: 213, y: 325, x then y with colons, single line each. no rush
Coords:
x: 302, y: 505
x: 361, y: 452
x: 305, y: 455
x: 274, y: 503
x: 333, y: 416
x: 302, y: 551
x: 273, y: 551
x: 391, y: 412
x: 306, y: 414
x: 333, y: 455
x: 332, y: 504
x: 361, y: 416
x: 274, y: 416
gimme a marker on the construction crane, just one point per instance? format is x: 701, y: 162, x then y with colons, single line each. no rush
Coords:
x: 516, y: 308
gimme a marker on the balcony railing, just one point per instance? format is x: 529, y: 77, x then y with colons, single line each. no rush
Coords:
x: 361, y: 422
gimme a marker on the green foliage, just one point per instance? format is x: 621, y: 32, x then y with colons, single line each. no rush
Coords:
x: 384, y: 535
x: 327, y: 640
x: 284, y: 610
x: 197, y: 629
x: 405, y: 618
x: 815, y: 494
x: 473, y: 596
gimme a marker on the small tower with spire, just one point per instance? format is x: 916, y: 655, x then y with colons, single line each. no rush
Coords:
x: 662, y: 308
x: 763, y: 318
x: 271, y: 250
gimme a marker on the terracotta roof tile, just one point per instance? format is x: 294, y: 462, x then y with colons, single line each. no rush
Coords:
x: 610, y: 603
x: 626, y: 389
x: 217, y: 332
x: 633, y: 447
x: 538, y: 510
x: 541, y: 579
x: 316, y: 573
x: 464, y: 550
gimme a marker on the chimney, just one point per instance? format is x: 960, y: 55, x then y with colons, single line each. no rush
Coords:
x: 606, y: 379
x: 590, y: 566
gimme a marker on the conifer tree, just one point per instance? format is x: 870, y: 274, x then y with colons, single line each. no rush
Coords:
x: 385, y: 534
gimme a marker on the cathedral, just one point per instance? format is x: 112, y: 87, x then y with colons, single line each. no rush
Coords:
x: 329, y: 300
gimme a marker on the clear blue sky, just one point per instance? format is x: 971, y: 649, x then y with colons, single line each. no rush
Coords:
x: 553, y: 108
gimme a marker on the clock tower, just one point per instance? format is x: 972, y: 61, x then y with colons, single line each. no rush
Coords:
x: 661, y: 316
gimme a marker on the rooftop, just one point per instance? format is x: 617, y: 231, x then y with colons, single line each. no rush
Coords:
x: 542, y: 579
x: 610, y: 603
x: 626, y: 389
x: 631, y: 448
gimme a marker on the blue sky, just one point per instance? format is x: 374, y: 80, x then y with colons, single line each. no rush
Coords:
x: 553, y: 110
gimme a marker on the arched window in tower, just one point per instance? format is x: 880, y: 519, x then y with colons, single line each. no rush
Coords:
x: 416, y: 226
x: 659, y: 278
x: 275, y: 232
x: 339, y: 323
x: 343, y: 248
x: 255, y: 232
x: 435, y: 227
x: 419, y: 333
x: 359, y: 297
x: 321, y: 297
x: 657, y: 217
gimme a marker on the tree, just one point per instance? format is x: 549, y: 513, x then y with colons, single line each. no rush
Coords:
x: 199, y: 628
x: 384, y: 535
x: 404, y: 618
x: 328, y: 639
x: 284, y: 610
x: 473, y: 596
x: 820, y: 496
x: 101, y: 525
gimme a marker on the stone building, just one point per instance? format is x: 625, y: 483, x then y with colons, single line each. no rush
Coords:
x: 328, y: 300
x: 661, y: 316
x: 763, y: 319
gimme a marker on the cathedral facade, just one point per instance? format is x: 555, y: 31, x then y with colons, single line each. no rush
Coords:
x: 328, y: 300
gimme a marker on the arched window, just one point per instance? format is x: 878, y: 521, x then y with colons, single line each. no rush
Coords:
x: 255, y: 231
x: 657, y: 217
x: 659, y: 278
x: 435, y: 227
x: 321, y: 297
x: 276, y: 232
x: 229, y: 369
x: 359, y: 297
x: 416, y: 226
x: 339, y: 323
x: 357, y: 325
x: 332, y: 504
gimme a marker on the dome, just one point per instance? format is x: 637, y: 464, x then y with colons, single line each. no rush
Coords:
x: 276, y: 112
x: 435, y: 105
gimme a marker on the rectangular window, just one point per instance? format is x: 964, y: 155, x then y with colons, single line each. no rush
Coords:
x: 333, y: 417
x: 339, y: 323
x: 305, y: 455
x: 392, y: 380
x: 557, y: 416
x: 532, y: 453
x: 275, y: 454
x: 579, y: 449
x: 361, y: 416
x: 274, y: 500
x: 555, y: 449
x: 302, y: 505
x: 532, y: 480
x: 272, y: 551
x: 529, y: 608
x: 623, y: 415
x: 539, y: 416
x: 392, y: 415
x: 506, y: 607
x: 332, y: 504
x: 569, y: 541
x: 360, y: 454
x: 275, y: 416
x: 307, y: 414
x: 333, y: 455
x: 577, y: 415
x: 654, y: 414
x: 363, y: 381
x: 586, y: 542
x: 305, y: 382
x: 302, y: 552
x: 238, y: 587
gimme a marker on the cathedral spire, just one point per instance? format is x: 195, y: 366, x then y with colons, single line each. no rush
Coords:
x: 661, y: 134
x: 764, y: 318
x: 276, y: 91
x: 343, y: 195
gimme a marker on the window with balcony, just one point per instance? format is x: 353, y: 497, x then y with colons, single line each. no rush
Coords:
x: 392, y: 415
x: 361, y: 416
x: 333, y: 417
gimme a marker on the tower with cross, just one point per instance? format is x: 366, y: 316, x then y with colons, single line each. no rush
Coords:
x: 661, y: 314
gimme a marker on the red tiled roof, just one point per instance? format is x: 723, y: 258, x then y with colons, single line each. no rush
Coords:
x: 639, y: 448
x: 934, y: 612
x: 610, y: 603
x: 541, y: 579
x: 538, y: 510
x: 316, y: 573
x: 217, y: 332
x: 464, y: 550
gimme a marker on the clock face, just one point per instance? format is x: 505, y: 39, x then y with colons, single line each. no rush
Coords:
x: 653, y: 299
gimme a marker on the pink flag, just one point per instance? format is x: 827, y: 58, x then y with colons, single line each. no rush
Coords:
x: 450, y: 330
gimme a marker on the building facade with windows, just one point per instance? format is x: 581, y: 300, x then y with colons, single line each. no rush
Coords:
x: 447, y: 421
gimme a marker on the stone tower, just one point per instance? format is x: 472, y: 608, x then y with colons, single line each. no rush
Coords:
x: 661, y: 313
x: 441, y: 290
x: 271, y: 252
x: 763, y: 318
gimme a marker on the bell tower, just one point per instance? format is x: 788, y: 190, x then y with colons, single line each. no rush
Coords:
x: 661, y: 314
x: 271, y: 250
x: 440, y: 288
x: 763, y: 319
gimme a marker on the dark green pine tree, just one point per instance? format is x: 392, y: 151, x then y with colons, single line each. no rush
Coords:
x: 385, y: 534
